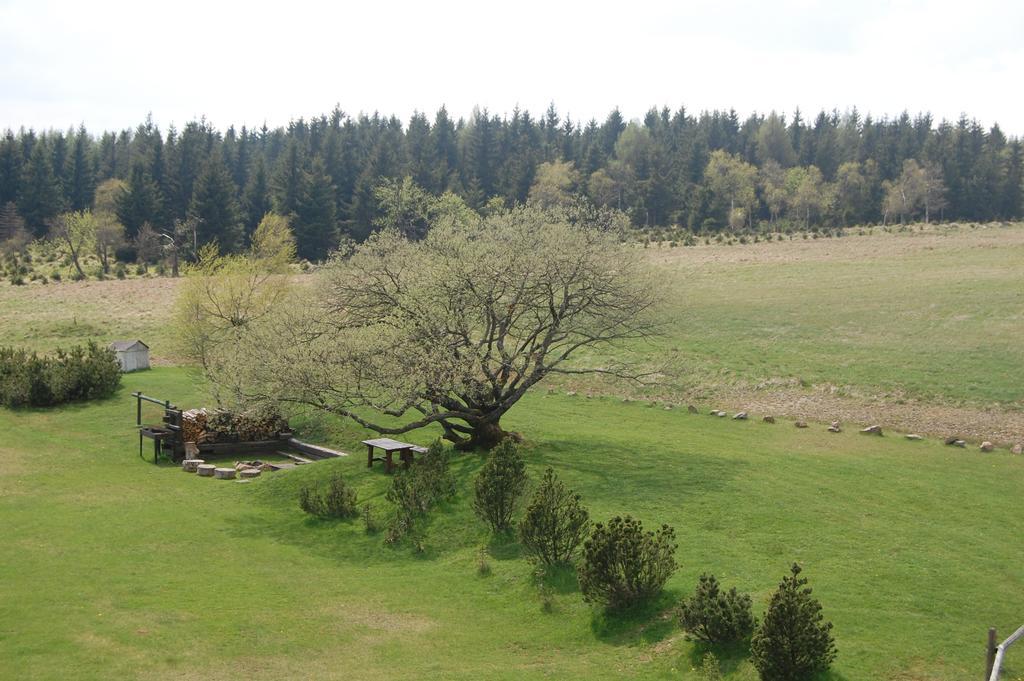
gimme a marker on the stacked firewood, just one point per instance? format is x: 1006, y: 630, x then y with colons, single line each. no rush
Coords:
x: 202, y: 426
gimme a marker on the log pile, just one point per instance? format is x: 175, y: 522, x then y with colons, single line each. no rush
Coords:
x: 208, y: 426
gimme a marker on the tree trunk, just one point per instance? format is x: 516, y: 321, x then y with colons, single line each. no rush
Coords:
x: 486, y: 435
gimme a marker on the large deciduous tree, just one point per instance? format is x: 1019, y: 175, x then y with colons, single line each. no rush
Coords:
x: 453, y: 329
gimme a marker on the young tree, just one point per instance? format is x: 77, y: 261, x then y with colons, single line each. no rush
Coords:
x: 808, y: 195
x: 77, y: 233
x: 732, y: 181
x: 773, y: 189
x: 499, y: 486
x: 453, y: 329
x: 794, y: 642
x: 224, y: 295
x: 623, y: 565
x: 555, y: 522
x: 554, y: 184
x: 13, y: 235
x: 715, y: 616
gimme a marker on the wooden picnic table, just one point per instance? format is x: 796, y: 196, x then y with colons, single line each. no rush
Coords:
x: 405, y: 452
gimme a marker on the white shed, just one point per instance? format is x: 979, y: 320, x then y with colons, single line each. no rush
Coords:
x: 132, y: 355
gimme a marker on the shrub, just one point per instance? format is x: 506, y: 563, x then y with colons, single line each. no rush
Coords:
x: 416, y: 490
x: 370, y: 520
x: 623, y: 565
x: 714, y: 616
x: 120, y: 272
x: 794, y: 642
x: 555, y: 523
x: 81, y: 373
x: 55, y: 275
x: 499, y: 485
x: 337, y: 501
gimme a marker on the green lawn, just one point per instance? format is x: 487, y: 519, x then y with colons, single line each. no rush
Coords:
x: 113, y: 568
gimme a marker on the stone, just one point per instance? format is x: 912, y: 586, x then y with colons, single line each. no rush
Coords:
x: 668, y: 407
x: 800, y: 424
x: 242, y: 481
x: 959, y: 443
x: 224, y: 473
x: 769, y: 419
x: 242, y: 465
x: 205, y: 470
x: 722, y: 414
x: 1017, y: 449
x: 571, y: 393
x: 952, y: 440
x: 249, y: 473
x: 692, y: 409
x: 913, y: 436
x: 835, y: 428
x: 872, y: 430
x: 742, y: 416
x: 190, y: 465
x: 987, y: 446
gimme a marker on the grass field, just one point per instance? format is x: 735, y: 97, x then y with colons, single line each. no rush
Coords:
x: 115, y: 568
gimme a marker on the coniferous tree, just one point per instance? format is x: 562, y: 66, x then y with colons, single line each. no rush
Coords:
x: 215, y: 207
x: 41, y: 197
x: 256, y: 200
x: 80, y: 177
x: 316, y: 226
x: 140, y: 202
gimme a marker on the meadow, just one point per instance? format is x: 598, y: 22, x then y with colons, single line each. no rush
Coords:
x: 118, y: 568
x: 114, y: 567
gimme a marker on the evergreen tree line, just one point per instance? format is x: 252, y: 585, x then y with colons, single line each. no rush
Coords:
x: 707, y: 172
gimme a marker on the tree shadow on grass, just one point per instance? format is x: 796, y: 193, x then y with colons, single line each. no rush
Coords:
x: 645, y: 623
x: 730, y: 656
x: 559, y: 578
x: 504, y: 546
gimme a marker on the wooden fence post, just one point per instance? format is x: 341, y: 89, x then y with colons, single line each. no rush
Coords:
x: 990, y: 653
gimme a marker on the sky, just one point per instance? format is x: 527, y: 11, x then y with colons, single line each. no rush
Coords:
x: 109, y: 63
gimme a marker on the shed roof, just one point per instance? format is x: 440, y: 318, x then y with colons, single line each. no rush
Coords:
x: 121, y: 346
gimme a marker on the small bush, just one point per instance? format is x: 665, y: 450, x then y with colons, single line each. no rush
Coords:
x: 499, y: 485
x: 337, y: 501
x: 414, y: 491
x: 120, y: 272
x: 623, y: 565
x: 555, y: 523
x: 483, y: 566
x: 55, y: 275
x: 794, y: 642
x: 370, y: 522
x: 714, y: 616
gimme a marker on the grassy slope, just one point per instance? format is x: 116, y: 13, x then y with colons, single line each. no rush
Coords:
x: 115, y: 568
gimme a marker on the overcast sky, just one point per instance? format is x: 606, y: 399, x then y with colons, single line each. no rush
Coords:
x: 109, y: 63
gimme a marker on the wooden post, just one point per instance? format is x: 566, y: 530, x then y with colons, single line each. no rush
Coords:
x: 990, y: 653
x: 369, y: 456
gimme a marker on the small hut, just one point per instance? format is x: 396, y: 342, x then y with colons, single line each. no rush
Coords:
x: 132, y: 355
